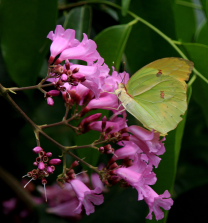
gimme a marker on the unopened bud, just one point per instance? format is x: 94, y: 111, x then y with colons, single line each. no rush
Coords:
x: 37, y: 149
x: 50, y: 169
x: 50, y: 101
x: 85, y: 124
x: 49, y: 154
x: 55, y: 161
x: 64, y: 77
x: 75, y: 163
x: 41, y: 165
x: 75, y: 70
x: 53, y: 93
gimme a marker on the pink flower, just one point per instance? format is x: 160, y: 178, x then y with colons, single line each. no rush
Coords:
x: 151, y: 138
x: 96, y: 182
x: 155, y: 202
x: 91, y: 75
x: 63, y: 204
x: 148, y: 142
x: 80, y: 92
x: 86, y: 196
x: 106, y: 101
x: 86, y: 51
x: 138, y: 176
x: 129, y: 150
x: 62, y: 39
x: 65, y: 209
x: 116, y: 124
x: 9, y: 205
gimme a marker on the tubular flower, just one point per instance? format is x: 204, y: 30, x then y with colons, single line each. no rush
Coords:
x: 86, y: 196
x: 156, y: 202
x: 148, y: 142
x: 62, y: 39
x: 86, y: 50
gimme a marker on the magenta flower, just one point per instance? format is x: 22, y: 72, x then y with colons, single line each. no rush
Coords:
x: 148, y: 142
x: 86, y: 196
x: 151, y: 138
x: 62, y: 39
x: 129, y: 150
x: 138, y: 176
x: 91, y: 75
x: 65, y: 209
x: 96, y: 182
x: 86, y: 50
x: 106, y: 101
x: 116, y: 124
x: 64, y: 204
x: 156, y: 202
x: 80, y: 92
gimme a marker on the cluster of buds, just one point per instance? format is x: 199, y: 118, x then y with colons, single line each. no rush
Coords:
x: 68, y: 175
x: 66, y: 74
x: 45, y: 166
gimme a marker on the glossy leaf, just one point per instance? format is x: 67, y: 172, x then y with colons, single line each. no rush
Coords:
x: 205, y: 6
x: 112, y: 42
x: 198, y: 53
x: 25, y: 25
x: 202, y: 34
x: 144, y: 45
x: 181, y: 21
x: 79, y: 19
x: 125, y: 6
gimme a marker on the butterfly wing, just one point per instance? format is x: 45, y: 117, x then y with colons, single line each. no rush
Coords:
x: 158, y: 93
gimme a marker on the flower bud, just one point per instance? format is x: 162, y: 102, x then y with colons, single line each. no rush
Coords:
x: 50, y: 169
x: 50, y: 101
x: 75, y: 163
x: 64, y: 77
x: 84, y: 125
x: 37, y: 149
x: 41, y: 165
x: 55, y: 161
x: 53, y: 93
x: 49, y: 154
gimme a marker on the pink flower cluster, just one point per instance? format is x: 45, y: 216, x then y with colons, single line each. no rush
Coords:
x: 74, y: 195
x: 140, y: 150
x: 81, y: 84
x: 91, y: 87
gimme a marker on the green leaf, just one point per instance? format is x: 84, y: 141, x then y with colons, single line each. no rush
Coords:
x: 205, y: 6
x: 125, y: 6
x: 167, y: 169
x: 199, y: 54
x: 24, y: 27
x: 202, y: 34
x: 80, y: 19
x: 112, y: 42
x: 184, y: 17
x: 144, y: 45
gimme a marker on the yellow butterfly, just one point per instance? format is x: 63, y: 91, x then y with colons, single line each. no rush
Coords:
x: 157, y: 93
